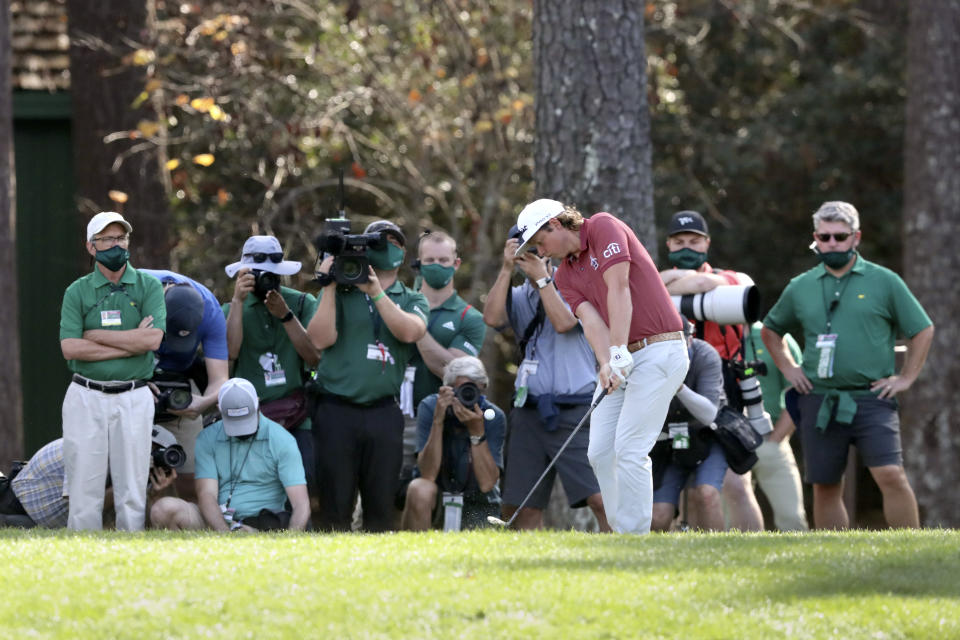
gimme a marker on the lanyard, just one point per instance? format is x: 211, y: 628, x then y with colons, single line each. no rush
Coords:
x: 235, y: 476
x: 830, y: 307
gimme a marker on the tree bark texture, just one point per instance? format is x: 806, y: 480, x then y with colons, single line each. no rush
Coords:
x: 11, y: 402
x: 593, y: 146
x: 931, y: 409
x: 105, y: 84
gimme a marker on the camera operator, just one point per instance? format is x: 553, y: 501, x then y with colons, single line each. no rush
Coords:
x: 248, y: 469
x: 367, y: 334
x: 266, y: 337
x: 459, y: 453
x: 850, y: 311
x: 195, y: 329
x: 111, y: 322
x: 34, y: 495
x: 554, y: 387
x: 686, y: 445
x: 776, y: 470
x: 688, y: 242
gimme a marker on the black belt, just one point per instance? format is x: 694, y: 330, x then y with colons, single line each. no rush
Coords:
x: 109, y: 388
x: 385, y: 401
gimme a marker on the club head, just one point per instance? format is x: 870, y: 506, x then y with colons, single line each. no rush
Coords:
x: 497, y: 521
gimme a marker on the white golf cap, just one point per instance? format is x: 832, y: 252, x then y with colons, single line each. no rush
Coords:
x: 103, y: 219
x: 239, y: 407
x: 266, y: 248
x: 535, y: 215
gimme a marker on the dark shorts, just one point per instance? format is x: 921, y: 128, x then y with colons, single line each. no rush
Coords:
x: 710, y: 471
x: 530, y: 449
x: 875, y: 432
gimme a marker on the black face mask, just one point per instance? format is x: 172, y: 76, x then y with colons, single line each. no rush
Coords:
x: 264, y: 283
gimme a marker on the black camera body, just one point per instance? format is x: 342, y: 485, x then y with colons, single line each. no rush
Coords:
x: 468, y: 394
x: 264, y: 282
x: 173, y: 395
x: 168, y: 458
x: 349, y: 251
x: 748, y: 368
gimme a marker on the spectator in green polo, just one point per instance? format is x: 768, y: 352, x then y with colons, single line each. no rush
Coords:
x: 367, y: 334
x: 454, y: 328
x: 266, y: 339
x: 849, y: 312
x: 111, y: 322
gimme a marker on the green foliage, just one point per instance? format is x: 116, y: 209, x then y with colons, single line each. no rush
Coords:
x: 892, y: 584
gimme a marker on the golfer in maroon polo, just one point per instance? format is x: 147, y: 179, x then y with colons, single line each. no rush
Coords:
x: 613, y: 287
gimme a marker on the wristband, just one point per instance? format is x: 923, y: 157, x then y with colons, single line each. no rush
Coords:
x: 378, y: 296
x: 288, y: 317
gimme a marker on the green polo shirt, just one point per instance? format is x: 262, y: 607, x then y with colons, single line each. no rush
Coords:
x: 267, y: 358
x: 93, y: 302
x: 257, y: 470
x: 873, y: 307
x: 773, y: 385
x: 355, y: 366
x: 455, y: 325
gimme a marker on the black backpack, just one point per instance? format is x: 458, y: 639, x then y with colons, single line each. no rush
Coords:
x: 738, y: 439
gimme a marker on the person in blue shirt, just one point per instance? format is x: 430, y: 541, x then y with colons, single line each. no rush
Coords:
x: 248, y: 470
x: 193, y: 352
x: 459, y: 453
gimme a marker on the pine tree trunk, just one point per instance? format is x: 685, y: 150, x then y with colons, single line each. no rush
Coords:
x: 11, y: 406
x: 593, y: 146
x: 931, y: 409
x: 104, y: 86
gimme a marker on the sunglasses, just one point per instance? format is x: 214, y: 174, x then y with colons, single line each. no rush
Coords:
x: 262, y: 257
x: 839, y: 237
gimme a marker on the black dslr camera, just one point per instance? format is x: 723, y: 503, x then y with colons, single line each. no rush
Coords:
x: 173, y: 395
x: 468, y: 394
x: 166, y: 453
x: 264, y: 282
x: 350, y: 262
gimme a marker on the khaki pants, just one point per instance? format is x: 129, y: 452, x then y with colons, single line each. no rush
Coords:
x: 777, y: 474
x: 106, y: 433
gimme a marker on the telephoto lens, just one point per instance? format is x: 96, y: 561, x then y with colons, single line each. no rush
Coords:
x: 753, y: 403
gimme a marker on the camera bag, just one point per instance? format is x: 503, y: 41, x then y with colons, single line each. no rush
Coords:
x: 738, y: 439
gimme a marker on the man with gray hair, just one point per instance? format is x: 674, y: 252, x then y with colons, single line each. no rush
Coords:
x: 850, y: 311
x: 459, y: 453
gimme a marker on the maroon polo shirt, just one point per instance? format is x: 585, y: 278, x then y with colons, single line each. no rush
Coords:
x: 604, y: 242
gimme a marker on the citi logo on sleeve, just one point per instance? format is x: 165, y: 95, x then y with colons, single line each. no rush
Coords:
x: 612, y: 249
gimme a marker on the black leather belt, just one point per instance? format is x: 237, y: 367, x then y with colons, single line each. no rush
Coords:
x: 108, y: 388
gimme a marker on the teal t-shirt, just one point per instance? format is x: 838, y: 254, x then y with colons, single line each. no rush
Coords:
x: 256, y: 470
x: 871, y: 306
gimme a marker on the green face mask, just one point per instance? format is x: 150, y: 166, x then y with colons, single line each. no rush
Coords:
x: 836, y: 259
x: 113, y: 258
x: 386, y: 259
x: 436, y: 275
x: 687, y: 258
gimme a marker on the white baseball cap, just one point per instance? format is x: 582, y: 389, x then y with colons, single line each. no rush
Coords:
x: 267, y: 248
x: 535, y: 215
x: 239, y: 407
x: 103, y: 219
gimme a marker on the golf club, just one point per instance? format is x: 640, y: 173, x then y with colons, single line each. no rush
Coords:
x: 506, y: 523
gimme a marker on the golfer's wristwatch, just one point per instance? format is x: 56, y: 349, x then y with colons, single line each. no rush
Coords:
x: 542, y: 282
x: 475, y: 440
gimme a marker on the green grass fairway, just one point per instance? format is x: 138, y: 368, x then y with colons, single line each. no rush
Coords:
x: 489, y: 584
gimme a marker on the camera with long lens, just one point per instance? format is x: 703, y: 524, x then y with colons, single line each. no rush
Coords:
x: 349, y: 251
x: 746, y: 374
x: 166, y: 452
x: 175, y: 396
x: 468, y: 394
x: 264, y: 282
x: 727, y: 304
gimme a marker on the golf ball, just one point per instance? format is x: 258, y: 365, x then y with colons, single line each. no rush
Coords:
x: 489, y: 414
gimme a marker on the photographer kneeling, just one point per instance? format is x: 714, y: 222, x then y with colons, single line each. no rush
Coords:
x: 459, y: 453
x: 687, y: 446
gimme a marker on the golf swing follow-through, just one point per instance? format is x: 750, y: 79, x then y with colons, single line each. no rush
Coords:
x: 506, y: 523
